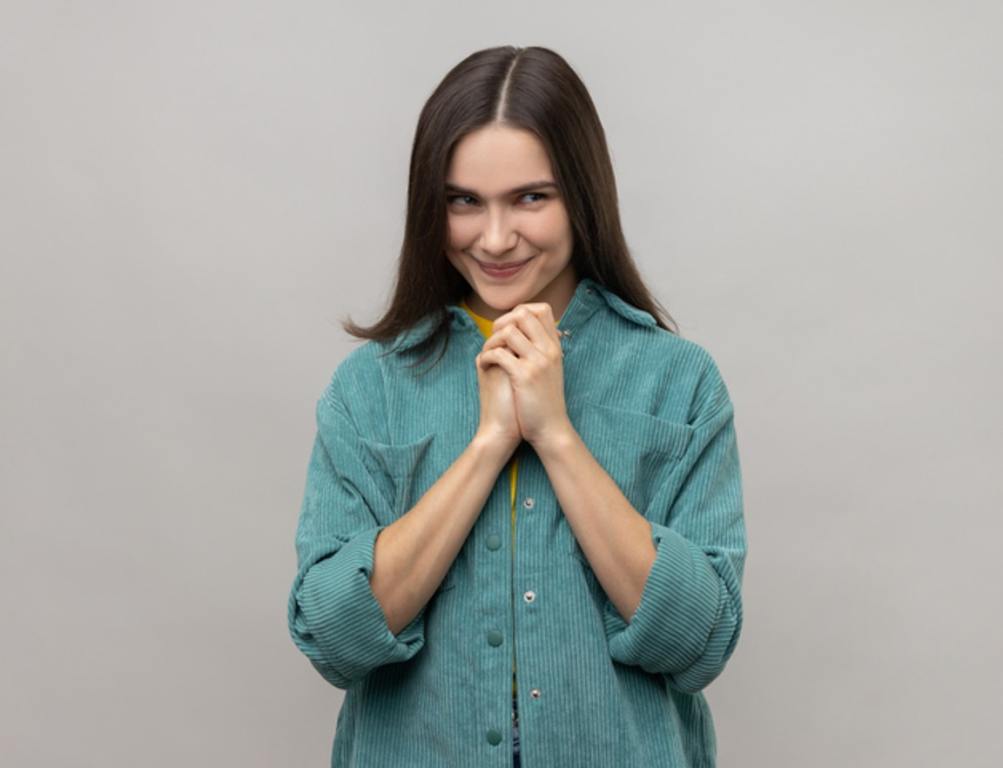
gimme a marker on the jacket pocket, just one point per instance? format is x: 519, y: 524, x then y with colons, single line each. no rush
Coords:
x: 638, y: 450
x: 402, y: 472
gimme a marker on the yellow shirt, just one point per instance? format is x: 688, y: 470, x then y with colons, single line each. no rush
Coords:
x: 486, y: 327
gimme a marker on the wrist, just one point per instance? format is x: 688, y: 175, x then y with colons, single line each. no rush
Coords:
x: 493, y: 447
x: 555, y: 441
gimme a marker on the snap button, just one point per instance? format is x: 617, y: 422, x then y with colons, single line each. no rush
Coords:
x: 535, y: 693
x: 528, y: 502
x: 529, y: 596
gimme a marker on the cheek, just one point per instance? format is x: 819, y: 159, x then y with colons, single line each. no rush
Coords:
x: 460, y: 231
x: 550, y: 229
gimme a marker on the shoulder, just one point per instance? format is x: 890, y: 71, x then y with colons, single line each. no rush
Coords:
x: 682, y: 353
x: 626, y: 325
x: 693, y: 365
x: 356, y: 386
x: 685, y: 373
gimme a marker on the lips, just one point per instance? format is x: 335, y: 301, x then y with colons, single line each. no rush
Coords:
x: 503, y: 270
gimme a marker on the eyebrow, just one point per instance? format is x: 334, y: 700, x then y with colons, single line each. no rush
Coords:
x: 517, y: 190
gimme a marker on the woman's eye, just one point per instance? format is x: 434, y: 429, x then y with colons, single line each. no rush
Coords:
x: 460, y: 199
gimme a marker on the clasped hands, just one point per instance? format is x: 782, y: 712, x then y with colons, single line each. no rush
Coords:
x: 526, y: 344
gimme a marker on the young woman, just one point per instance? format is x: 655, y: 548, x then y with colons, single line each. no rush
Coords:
x: 552, y: 508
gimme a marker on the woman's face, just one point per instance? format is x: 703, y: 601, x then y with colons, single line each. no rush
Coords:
x: 503, y: 207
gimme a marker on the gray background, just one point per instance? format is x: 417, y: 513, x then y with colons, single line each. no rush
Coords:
x: 194, y: 193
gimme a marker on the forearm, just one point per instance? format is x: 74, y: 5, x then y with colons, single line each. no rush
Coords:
x: 615, y: 538
x: 412, y: 555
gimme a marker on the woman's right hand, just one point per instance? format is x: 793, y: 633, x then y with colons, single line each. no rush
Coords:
x: 498, y: 423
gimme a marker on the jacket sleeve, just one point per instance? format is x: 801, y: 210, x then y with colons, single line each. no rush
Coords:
x: 689, y: 618
x: 333, y: 615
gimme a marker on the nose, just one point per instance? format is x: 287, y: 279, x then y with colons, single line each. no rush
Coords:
x: 498, y: 237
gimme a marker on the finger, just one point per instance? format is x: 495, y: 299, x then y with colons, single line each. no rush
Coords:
x: 502, y: 357
x: 539, y: 308
x: 499, y: 338
x: 544, y: 312
x: 538, y: 325
x: 512, y: 338
x: 483, y: 362
x: 531, y: 320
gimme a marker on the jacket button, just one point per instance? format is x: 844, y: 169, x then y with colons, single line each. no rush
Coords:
x: 529, y: 596
x: 495, y: 638
x: 494, y: 737
x: 494, y: 541
x: 528, y: 502
x: 535, y: 693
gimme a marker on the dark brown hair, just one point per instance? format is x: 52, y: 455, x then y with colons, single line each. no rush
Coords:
x: 530, y: 88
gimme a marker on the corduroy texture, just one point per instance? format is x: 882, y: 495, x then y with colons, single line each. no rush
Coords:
x: 613, y: 691
x: 486, y: 327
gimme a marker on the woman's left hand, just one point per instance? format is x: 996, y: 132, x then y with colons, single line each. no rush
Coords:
x: 526, y: 344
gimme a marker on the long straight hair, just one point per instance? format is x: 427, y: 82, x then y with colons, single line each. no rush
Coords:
x: 536, y: 90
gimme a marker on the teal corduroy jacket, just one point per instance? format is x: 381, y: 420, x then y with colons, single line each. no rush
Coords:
x: 596, y: 689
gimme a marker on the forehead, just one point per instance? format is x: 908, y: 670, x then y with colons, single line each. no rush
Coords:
x: 495, y: 159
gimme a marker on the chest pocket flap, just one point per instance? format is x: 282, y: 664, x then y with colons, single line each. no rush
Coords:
x: 640, y: 451
x: 402, y: 471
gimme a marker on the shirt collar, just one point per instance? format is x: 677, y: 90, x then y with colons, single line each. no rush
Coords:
x: 587, y: 298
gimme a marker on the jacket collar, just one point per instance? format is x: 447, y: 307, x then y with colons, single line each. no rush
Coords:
x: 587, y: 298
